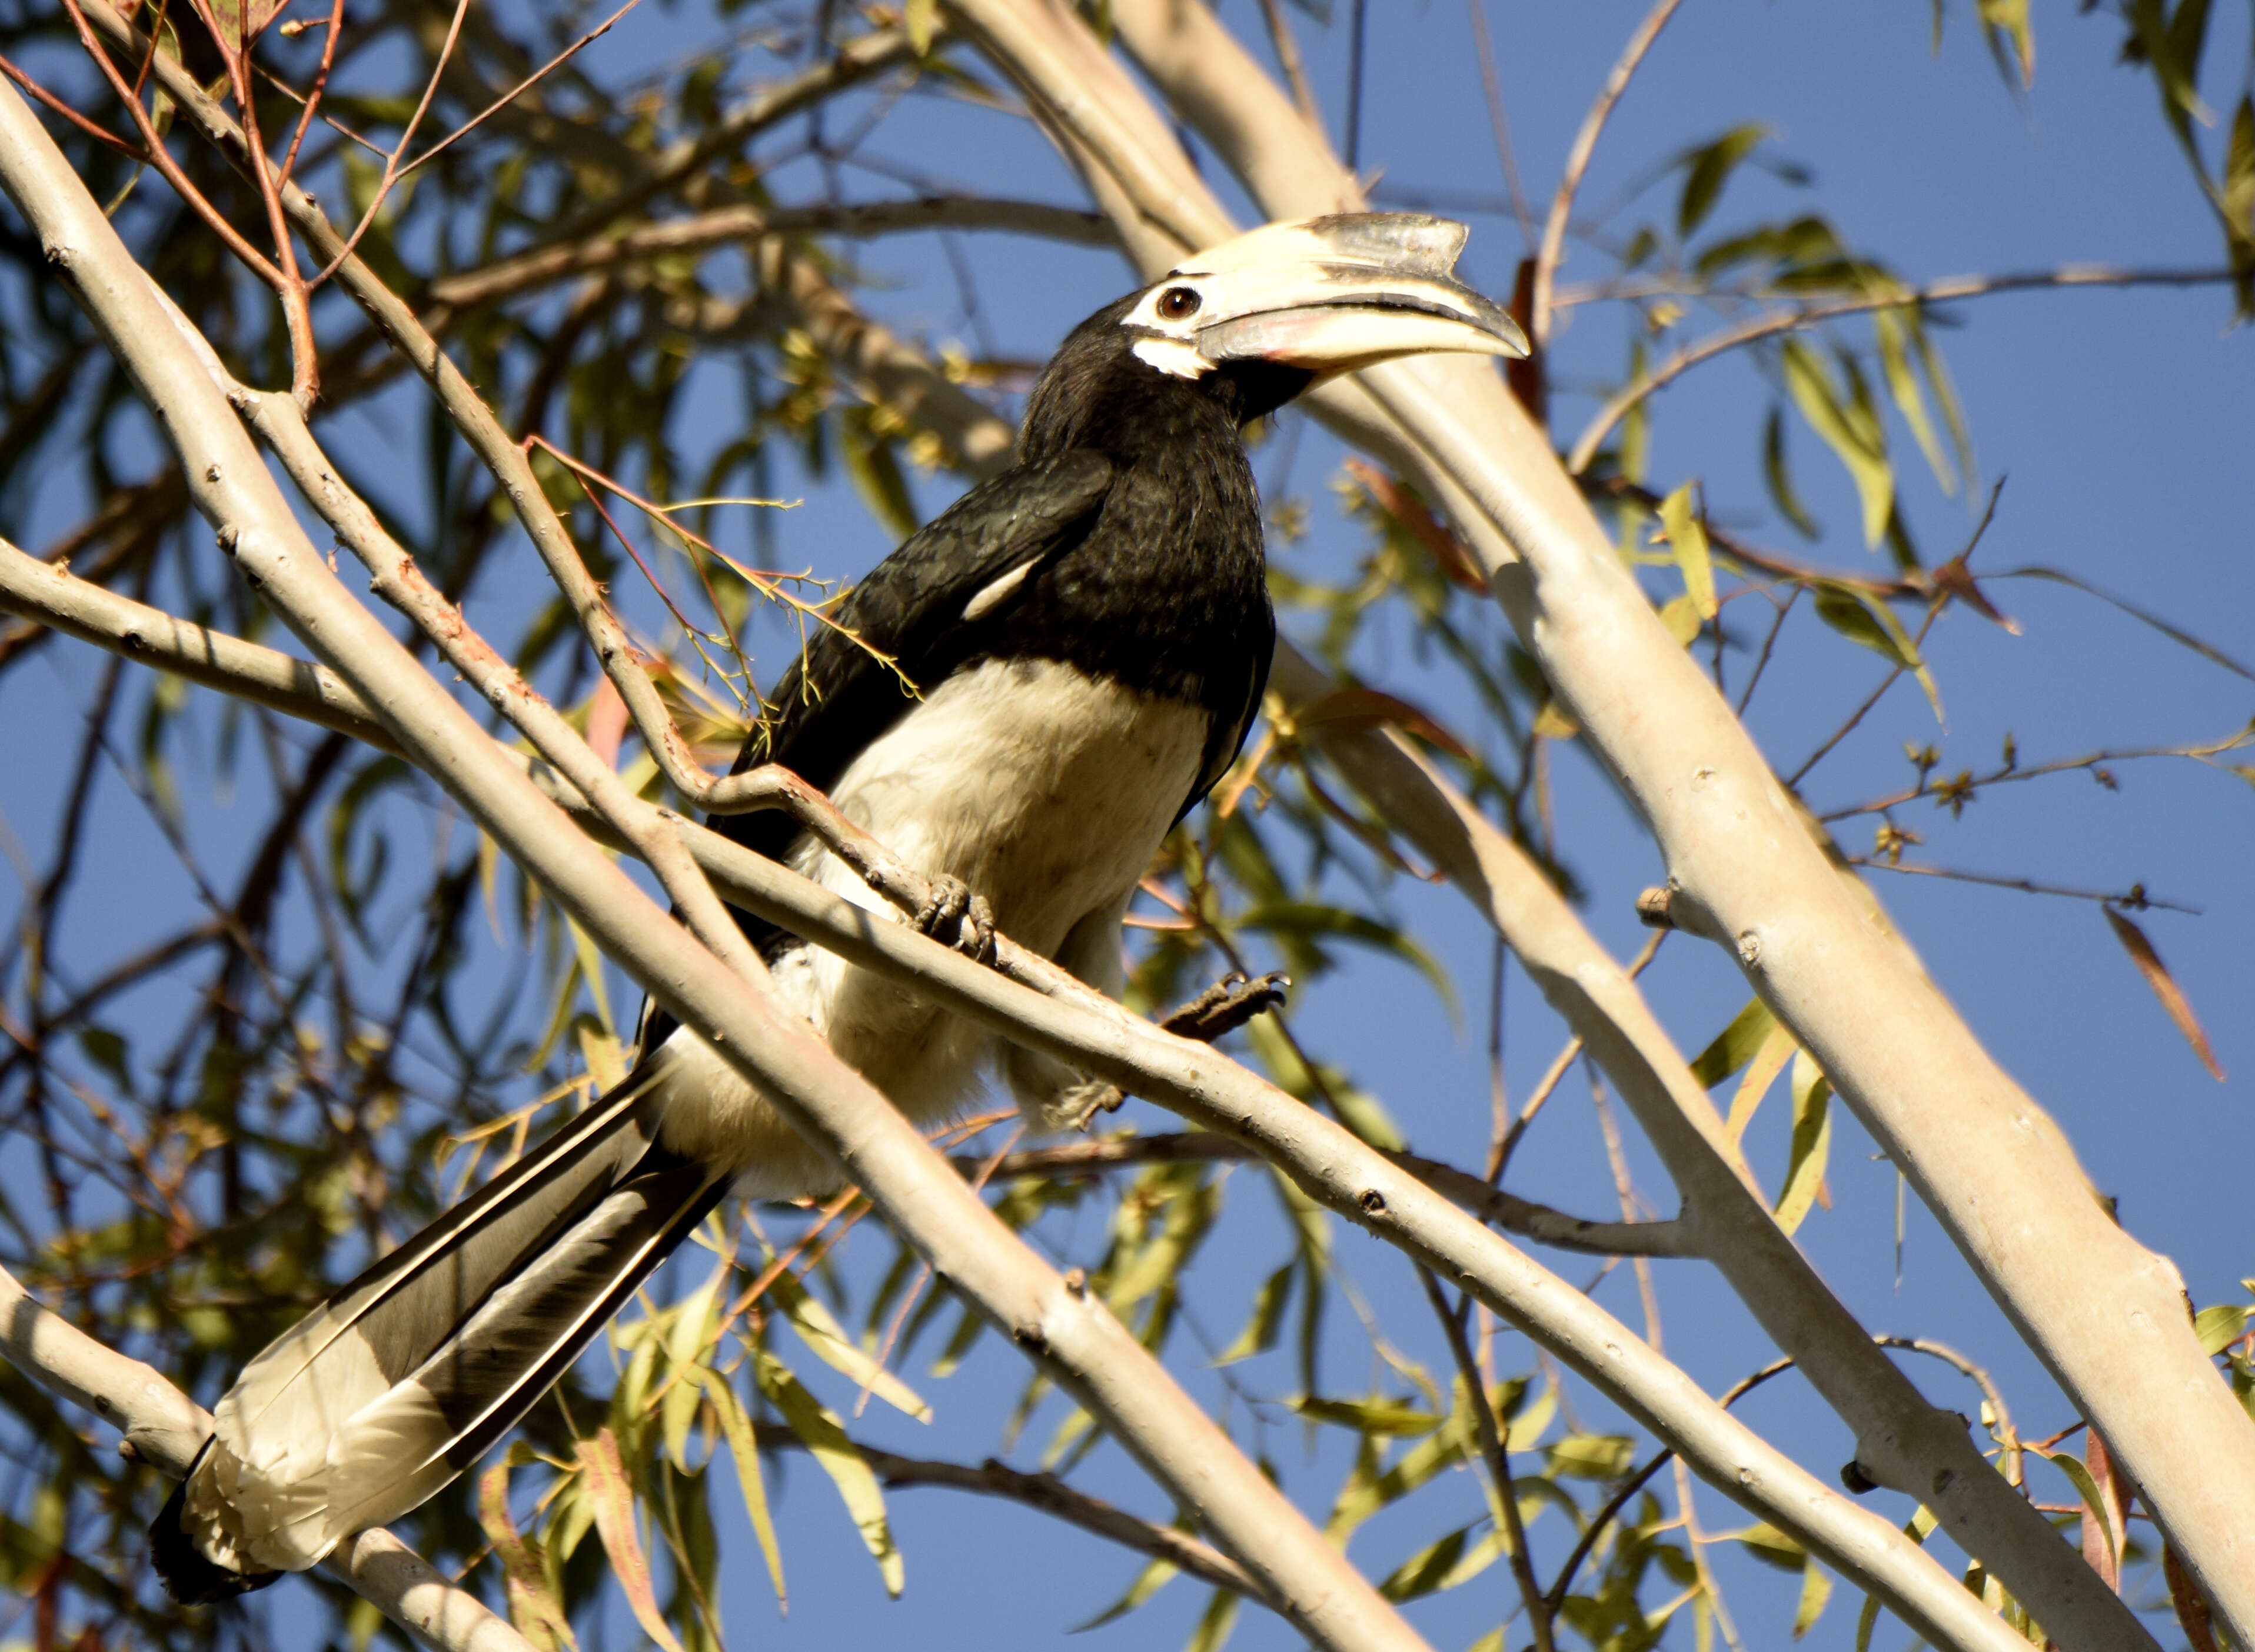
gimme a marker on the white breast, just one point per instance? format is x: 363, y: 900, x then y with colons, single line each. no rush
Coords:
x: 1044, y: 791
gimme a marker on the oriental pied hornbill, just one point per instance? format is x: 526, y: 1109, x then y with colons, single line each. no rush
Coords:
x: 1089, y: 634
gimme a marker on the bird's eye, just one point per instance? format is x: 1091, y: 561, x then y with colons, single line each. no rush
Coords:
x: 1179, y: 304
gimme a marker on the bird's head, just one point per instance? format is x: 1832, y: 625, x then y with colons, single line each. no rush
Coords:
x: 1262, y: 317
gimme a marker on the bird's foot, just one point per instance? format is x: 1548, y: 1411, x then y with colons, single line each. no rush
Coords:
x: 1080, y: 1106
x: 955, y: 917
x: 1226, y: 1005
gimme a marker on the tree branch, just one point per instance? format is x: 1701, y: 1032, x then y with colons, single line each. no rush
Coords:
x: 1763, y: 326
x: 506, y: 278
x: 1578, y: 163
x: 1994, y: 1169
x: 1097, y: 1035
x: 1073, y: 1337
x: 165, y: 1428
x: 50, y: 595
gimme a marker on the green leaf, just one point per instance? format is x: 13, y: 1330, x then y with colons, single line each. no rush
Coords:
x: 1812, y: 1140
x: 1735, y: 1044
x: 533, y: 1605
x: 1375, y: 1416
x: 1268, y: 1305
x: 686, y: 1340
x: 825, y: 1437
x: 1441, y: 1564
x: 1862, y: 618
x: 1213, y: 1626
x: 828, y: 1340
x: 2087, y: 1488
x: 1816, y: 1590
x: 1592, y: 1456
x: 1769, y: 1060
x: 876, y: 472
x: 2220, y: 1327
x: 1147, y: 1583
x: 1772, y: 1547
x: 744, y: 1449
x: 1849, y: 427
x: 1893, y: 326
x: 1360, y: 1112
x: 1779, y: 476
x: 1711, y: 168
x: 1687, y: 538
x: 1312, y: 921
x: 920, y: 18
x: 2008, y: 20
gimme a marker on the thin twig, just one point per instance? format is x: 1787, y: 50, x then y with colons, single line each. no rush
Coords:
x: 1496, y: 1449
x: 1578, y: 163
x: 1601, y: 423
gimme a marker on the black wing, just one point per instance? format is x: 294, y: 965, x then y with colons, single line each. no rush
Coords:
x: 839, y: 697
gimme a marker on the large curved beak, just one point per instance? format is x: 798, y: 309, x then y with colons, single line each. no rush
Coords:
x: 1333, y: 294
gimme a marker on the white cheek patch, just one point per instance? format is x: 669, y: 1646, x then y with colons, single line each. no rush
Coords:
x: 1173, y: 356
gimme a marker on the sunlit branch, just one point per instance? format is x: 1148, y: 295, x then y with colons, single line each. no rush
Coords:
x: 1074, y: 1338
x: 164, y: 1428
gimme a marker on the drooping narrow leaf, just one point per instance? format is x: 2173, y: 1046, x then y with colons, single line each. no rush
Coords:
x: 1778, y: 473
x: 828, y: 1340
x: 1147, y: 1583
x: 2165, y: 988
x: 1735, y: 1044
x: 611, y: 1500
x: 1776, y: 1050
x: 1862, y: 618
x: 1849, y: 428
x: 2094, y: 1503
x: 825, y: 1438
x: 1816, y: 1590
x: 1812, y: 1140
x: 1214, y: 1625
x: 1687, y: 541
x: 743, y: 1447
x: 1893, y: 326
x: 1711, y: 168
x: 1268, y: 1305
x: 536, y: 1611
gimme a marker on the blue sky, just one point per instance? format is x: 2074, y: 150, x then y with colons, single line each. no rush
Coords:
x: 2121, y: 424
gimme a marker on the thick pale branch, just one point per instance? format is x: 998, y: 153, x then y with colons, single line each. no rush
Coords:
x: 1396, y: 1202
x: 165, y: 1428
x: 396, y: 579
x: 42, y: 591
x: 1075, y: 1340
x: 2106, y: 1315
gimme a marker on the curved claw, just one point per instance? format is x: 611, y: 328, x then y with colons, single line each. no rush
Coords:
x: 953, y: 916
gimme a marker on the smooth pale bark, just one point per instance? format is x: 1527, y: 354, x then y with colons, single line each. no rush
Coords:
x: 164, y: 1428
x: 1075, y: 1340
x: 2106, y: 1316
x: 1033, y: 1003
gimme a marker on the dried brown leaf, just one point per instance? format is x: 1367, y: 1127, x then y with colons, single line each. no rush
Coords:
x: 1404, y: 507
x: 611, y: 1500
x: 2165, y: 988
